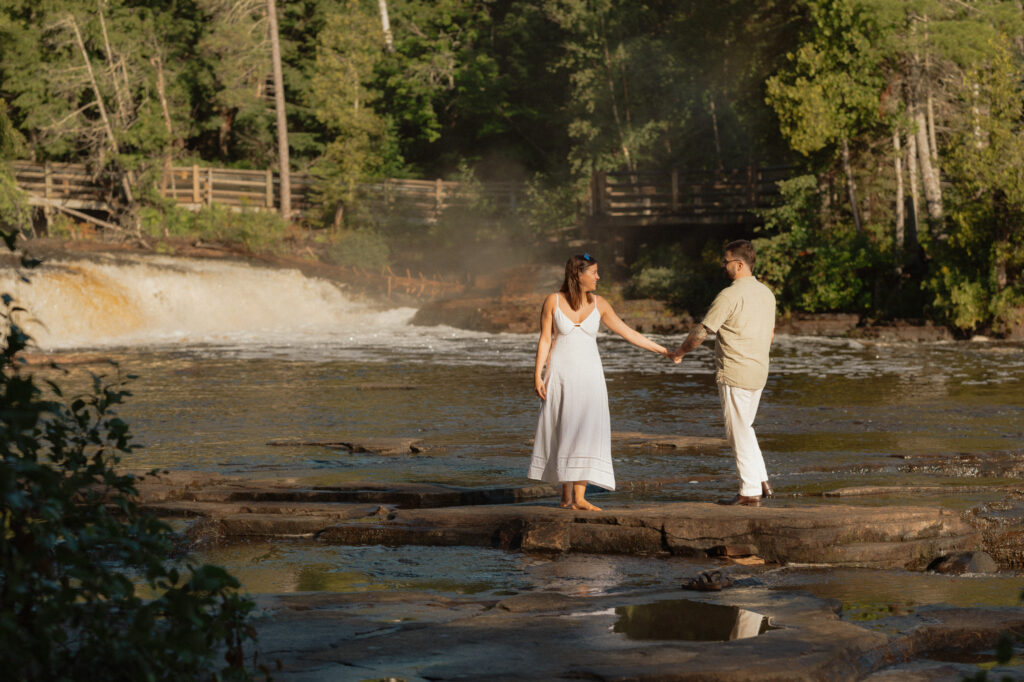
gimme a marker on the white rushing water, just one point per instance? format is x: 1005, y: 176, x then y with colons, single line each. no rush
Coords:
x: 156, y: 301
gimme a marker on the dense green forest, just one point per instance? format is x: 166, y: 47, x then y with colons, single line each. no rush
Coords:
x: 901, y: 119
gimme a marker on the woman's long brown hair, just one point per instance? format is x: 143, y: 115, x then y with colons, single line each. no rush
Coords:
x: 574, y: 267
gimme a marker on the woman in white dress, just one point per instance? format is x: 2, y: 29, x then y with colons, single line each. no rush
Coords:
x: 573, y: 445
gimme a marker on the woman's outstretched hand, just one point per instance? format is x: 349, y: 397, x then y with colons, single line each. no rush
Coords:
x: 674, y: 356
x: 539, y: 388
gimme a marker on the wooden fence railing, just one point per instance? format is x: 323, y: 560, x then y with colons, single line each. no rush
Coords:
x: 68, y: 185
x: 700, y: 196
x: 616, y: 198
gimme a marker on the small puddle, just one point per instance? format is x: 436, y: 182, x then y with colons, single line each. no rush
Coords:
x: 692, y: 621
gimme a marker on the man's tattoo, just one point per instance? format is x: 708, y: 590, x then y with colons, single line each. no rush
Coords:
x: 696, y: 337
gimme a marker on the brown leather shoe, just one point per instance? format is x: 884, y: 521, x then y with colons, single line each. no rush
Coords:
x: 766, y: 490
x: 741, y: 501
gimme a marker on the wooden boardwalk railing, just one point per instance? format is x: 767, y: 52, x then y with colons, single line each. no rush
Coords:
x: 72, y: 186
x: 644, y: 197
x: 621, y: 198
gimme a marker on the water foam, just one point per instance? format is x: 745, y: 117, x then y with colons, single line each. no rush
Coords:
x: 154, y: 300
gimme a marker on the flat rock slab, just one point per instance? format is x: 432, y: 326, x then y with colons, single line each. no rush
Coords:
x: 549, y: 635
x: 376, y: 446
x: 655, y: 440
x: 231, y: 508
x: 845, y: 536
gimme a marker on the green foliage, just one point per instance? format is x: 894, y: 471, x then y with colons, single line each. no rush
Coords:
x: 359, y: 247
x: 257, y: 231
x: 549, y: 206
x: 75, y: 550
x: 348, y: 52
x: 14, y: 211
x: 815, y: 268
x: 686, y: 279
x: 982, y: 259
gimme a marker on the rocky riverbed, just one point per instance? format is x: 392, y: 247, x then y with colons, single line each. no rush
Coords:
x: 736, y: 630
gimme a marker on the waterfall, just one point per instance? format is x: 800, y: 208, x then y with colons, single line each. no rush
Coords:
x: 158, y: 300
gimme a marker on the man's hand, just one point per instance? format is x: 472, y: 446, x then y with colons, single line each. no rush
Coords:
x: 676, y: 355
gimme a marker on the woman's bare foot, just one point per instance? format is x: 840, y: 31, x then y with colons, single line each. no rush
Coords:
x: 583, y: 505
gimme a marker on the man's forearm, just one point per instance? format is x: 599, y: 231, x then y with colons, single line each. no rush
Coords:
x: 693, y: 341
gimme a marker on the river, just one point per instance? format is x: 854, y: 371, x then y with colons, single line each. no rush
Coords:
x: 230, y: 357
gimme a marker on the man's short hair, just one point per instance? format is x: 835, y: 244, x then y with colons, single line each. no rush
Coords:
x: 744, y: 250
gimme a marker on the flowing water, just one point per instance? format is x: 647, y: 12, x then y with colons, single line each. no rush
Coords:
x: 231, y: 356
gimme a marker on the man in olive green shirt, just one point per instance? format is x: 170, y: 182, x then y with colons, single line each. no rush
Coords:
x: 742, y: 317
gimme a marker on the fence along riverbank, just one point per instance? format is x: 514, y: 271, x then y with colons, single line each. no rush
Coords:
x: 618, y: 198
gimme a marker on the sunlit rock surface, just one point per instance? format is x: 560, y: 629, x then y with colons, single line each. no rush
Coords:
x: 424, y: 514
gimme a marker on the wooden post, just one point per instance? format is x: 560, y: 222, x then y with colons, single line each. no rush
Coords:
x: 675, y: 190
x: 601, y: 190
x: 47, y: 180
x: 195, y: 184
x: 270, y: 189
x: 439, y: 195
x: 209, y: 186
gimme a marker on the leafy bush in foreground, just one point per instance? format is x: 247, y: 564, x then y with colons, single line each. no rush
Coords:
x: 75, y: 550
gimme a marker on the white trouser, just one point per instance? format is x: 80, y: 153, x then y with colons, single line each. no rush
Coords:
x: 739, y: 407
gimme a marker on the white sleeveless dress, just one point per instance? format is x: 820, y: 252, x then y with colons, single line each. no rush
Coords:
x: 574, y: 439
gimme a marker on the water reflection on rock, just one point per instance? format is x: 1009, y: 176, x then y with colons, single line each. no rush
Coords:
x: 687, y: 620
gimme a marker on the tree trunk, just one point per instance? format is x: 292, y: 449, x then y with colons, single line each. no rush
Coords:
x: 282, y: 119
x: 714, y: 128
x: 161, y: 91
x: 122, y: 91
x: 385, y: 24
x: 898, y: 163
x: 915, y: 202
x: 929, y: 178
x: 851, y: 186
x: 611, y: 93
x: 933, y: 147
x: 99, y: 103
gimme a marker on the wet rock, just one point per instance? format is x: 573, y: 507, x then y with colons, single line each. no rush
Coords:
x: 547, y: 636
x: 537, y: 601
x: 650, y: 316
x: 903, y: 331
x: 810, y: 324
x: 733, y: 550
x: 875, y: 537
x: 423, y: 514
x: 514, y: 314
x: 660, y: 440
x: 64, y: 359
x: 889, y: 490
x: 376, y: 446
x: 1007, y: 464
x: 518, y: 313
x: 963, y: 562
x: 1001, y: 524
x: 546, y: 537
